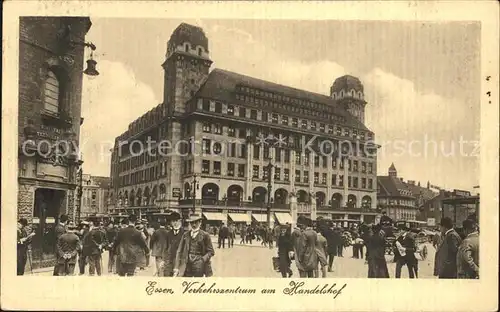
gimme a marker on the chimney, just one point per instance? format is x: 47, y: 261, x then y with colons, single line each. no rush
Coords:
x: 401, y: 179
x: 418, y: 183
x: 428, y: 185
x: 411, y: 182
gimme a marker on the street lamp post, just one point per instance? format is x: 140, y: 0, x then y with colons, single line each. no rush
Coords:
x: 79, y: 176
x: 194, y: 186
x: 269, y: 189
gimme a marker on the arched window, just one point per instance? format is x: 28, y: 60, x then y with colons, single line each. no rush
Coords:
x: 51, y: 91
x: 200, y: 51
x: 186, y: 47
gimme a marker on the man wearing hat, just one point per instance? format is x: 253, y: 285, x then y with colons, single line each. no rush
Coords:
x: 158, y: 244
x: 129, y: 245
x: 445, y: 262
x: 304, y: 242
x: 194, y: 252
x: 82, y: 232
x: 468, y: 252
x: 68, y: 245
x: 23, y: 241
x: 93, y: 247
x: 173, y: 239
x: 404, y: 253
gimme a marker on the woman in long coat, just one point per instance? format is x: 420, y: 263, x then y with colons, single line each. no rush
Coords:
x: 285, y: 247
x: 375, y: 250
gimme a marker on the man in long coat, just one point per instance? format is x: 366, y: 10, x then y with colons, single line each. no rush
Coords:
x: 194, y: 252
x: 445, y: 264
x: 59, y: 230
x: 67, y: 246
x: 468, y: 252
x: 332, y: 245
x: 304, y: 241
x: 158, y: 244
x: 174, y: 237
x: 93, y: 247
x: 129, y: 245
x: 375, y: 253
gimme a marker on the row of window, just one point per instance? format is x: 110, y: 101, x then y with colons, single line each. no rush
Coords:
x: 293, y: 140
x: 262, y: 172
x: 276, y: 118
x: 139, y: 160
x: 143, y: 176
x: 267, y: 98
x: 210, y: 148
x: 240, y: 151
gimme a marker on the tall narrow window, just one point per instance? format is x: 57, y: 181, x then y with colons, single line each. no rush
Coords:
x: 51, y: 99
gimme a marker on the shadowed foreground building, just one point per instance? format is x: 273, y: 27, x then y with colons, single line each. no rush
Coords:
x: 240, y: 125
x: 51, y: 60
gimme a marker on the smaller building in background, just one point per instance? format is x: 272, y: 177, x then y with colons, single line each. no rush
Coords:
x: 95, y: 192
x: 399, y: 199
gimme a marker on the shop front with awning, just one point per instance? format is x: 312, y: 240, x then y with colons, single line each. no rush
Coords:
x: 240, y: 218
x: 214, y: 218
x: 283, y: 217
x: 259, y: 217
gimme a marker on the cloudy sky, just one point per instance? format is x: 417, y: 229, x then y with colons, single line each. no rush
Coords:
x: 421, y: 82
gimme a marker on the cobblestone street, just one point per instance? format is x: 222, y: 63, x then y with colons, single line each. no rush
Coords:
x: 255, y: 261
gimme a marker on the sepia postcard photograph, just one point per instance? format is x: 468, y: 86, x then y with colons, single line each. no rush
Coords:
x: 250, y: 156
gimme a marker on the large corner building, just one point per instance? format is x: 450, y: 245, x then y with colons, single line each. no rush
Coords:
x: 228, y: 116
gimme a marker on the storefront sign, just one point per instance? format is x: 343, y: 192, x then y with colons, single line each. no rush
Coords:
x: 236, y: 211
x: 302, y: 208
x: 50, y: 170
x: 461, y: 193
x: 176, y: 192
x: 212, y: 210
x: 431, y: 222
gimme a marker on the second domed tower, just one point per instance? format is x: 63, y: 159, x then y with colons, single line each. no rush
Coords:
x: 348, y: 91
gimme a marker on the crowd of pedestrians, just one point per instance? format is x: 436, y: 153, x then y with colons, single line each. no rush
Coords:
x: 313, y: 245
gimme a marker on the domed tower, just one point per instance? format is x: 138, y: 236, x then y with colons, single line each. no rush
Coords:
x: 349, y: 93
x: 392, y: 171
x: 186, y: 66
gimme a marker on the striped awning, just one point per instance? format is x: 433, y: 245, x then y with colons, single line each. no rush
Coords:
x: 215, y: 216
x: 283, y: 217
x: 240, y: 217
x: 259, y: 217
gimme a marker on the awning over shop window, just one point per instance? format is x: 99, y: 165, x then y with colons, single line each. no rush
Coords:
x: 215, y: 216
x: 240, y: 217
x: 259, y: 217
x: 283, y: 217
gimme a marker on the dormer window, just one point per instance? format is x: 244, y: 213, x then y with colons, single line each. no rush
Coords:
x: 51, y: 98
x: 200, y: 51
x: 186, y: 47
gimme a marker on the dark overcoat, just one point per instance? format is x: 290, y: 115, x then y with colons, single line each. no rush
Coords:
x: 204, y: 244
x: 445, y: 263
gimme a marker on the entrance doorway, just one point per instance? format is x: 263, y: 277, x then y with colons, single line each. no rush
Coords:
x: 49, y: 205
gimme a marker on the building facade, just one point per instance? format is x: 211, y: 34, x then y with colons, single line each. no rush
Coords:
x: 399, y: 199
x: 456, y: 204
x: 237, y: 145
x: 50, y: 86
x: 95, y: 193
